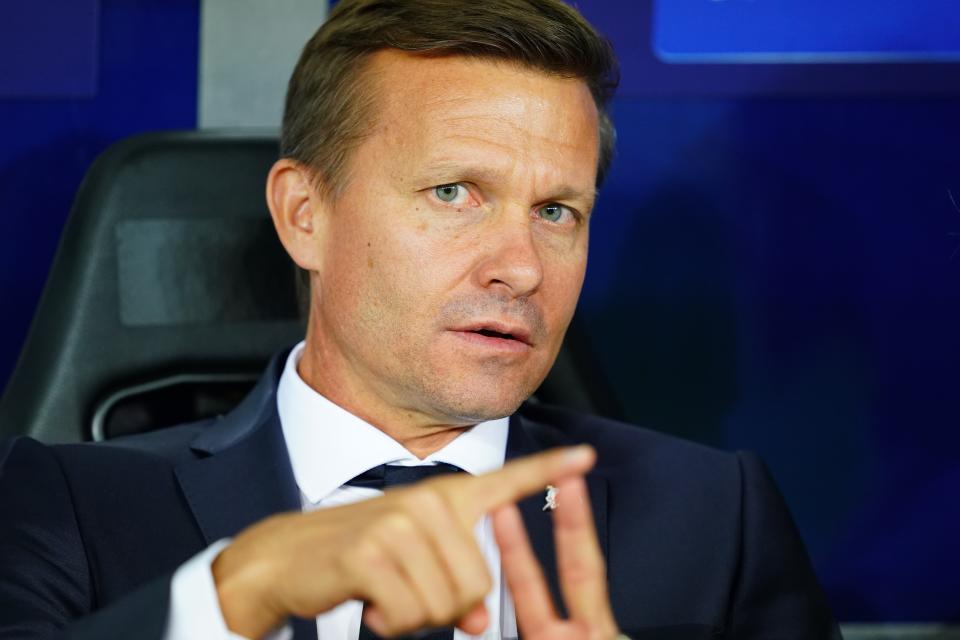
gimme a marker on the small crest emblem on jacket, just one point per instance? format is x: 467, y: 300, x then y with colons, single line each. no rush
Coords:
x: 551, y: 498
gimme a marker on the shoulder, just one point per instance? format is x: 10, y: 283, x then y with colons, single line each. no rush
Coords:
x: 623, y: 446
x: 652, y: 472
x: 171, y: 443
x: 130, y: 456
x: 85, y: 486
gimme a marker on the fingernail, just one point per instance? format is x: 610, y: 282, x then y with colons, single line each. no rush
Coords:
x: 580, y: 453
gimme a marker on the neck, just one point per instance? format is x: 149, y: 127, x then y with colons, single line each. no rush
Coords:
x: 419, y: 433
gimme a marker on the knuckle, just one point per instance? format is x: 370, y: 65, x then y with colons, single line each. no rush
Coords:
x: 365, y: 553
x: 476, y: 587
x: 405, y: 619
x: 396, y: 525
x: 436, y: 618
x: 434, y: 499
x: 578, y: 573
x: 441, y: 610
x: 425, y: 499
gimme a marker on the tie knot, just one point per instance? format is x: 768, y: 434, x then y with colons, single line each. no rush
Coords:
x: 391, y: 475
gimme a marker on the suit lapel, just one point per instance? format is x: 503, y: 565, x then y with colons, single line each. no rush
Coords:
x: 527, y: 437
x: 231, y: 489
x: 241, y: 471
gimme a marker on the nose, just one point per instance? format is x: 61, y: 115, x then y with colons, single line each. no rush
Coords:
x: 511, y: 260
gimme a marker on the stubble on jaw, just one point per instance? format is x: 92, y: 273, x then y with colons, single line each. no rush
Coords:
x: 457, y: 389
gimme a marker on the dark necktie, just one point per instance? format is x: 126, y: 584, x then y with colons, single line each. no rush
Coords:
x: 391, y: 475
x: 384, y: 477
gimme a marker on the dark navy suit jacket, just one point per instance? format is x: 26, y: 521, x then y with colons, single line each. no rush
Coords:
x: 699, y: 543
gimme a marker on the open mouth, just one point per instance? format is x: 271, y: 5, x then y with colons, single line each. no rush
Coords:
x: 490, y: 333
x: 497, y: 335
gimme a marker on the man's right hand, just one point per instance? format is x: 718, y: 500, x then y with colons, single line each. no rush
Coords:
x: 410, y: 555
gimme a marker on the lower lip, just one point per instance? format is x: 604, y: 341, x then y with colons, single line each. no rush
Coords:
x: 502, y: 345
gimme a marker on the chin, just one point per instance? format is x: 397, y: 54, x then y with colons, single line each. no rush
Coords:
x: 465, y: 394
x: 479, y: 403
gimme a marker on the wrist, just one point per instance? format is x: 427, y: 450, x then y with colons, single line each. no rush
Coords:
x: 244, y: 593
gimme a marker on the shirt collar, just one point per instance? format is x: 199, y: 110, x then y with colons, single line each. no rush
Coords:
x: 328, y: 445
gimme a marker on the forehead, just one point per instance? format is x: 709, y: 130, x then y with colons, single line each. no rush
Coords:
x: 442, y: 108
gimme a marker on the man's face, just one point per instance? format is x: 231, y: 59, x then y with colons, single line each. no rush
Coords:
x: 454, y: 256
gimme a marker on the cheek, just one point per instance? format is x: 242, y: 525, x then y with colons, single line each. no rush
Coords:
x: 432, y: 255
x: 563, y: 278
x: 562, y: 299
x: 403, y: 277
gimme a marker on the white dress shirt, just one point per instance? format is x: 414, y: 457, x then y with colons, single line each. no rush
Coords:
x: 328, y: 446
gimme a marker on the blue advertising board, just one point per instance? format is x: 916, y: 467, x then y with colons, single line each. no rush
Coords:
x: 806, y: 31
x: 742, y: 48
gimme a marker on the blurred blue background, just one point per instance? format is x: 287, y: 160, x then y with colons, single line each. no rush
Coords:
x: 775, y: 262
x: 806, y: 30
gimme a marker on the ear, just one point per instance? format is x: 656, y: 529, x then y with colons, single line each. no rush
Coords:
x: 298, y: 212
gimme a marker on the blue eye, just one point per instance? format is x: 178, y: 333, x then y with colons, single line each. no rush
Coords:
x: 552, y: 212
x: 448, y: 192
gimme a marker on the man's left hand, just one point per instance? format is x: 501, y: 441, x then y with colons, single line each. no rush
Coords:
x: 583, y: 578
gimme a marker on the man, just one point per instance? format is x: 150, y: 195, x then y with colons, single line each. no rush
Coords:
x: 439, y: 168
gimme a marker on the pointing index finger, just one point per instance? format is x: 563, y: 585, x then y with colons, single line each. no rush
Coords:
x: 519, y: 478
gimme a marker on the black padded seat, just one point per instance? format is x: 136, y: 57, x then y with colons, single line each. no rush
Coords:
x: 168, y: 276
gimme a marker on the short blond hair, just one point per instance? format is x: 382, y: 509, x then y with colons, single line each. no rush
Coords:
x: 329, y: 100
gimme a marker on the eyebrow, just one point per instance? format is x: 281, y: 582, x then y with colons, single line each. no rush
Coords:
x: 460, y: 171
